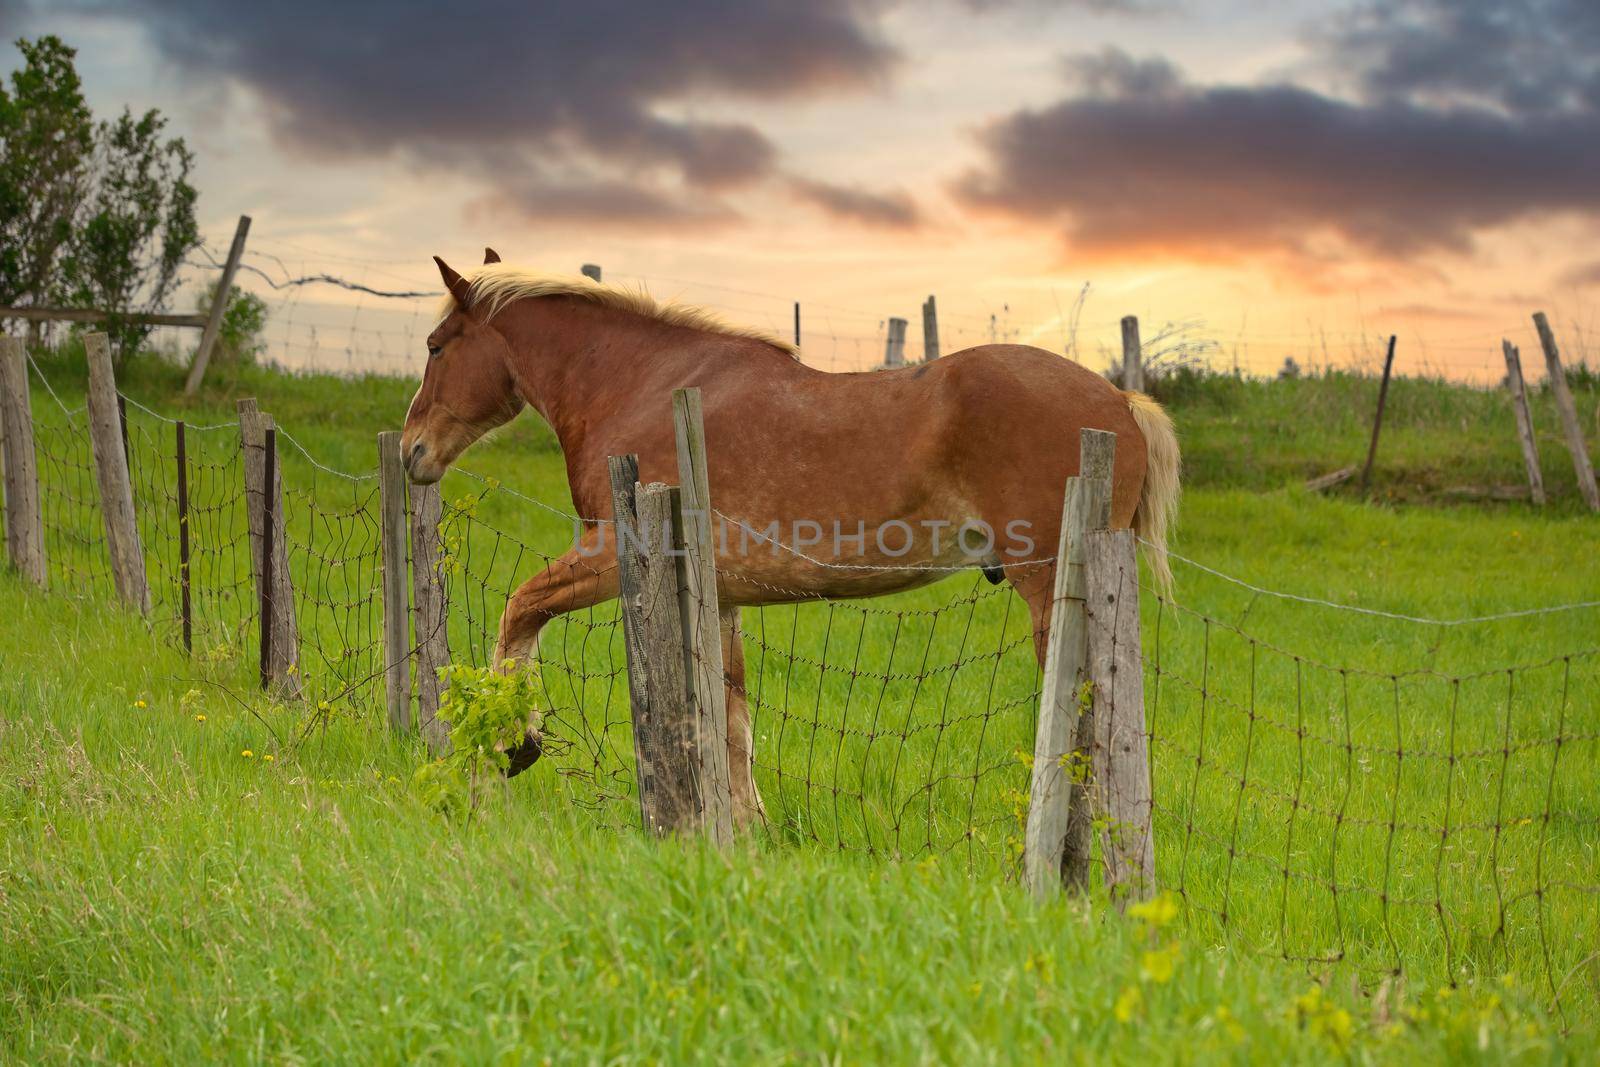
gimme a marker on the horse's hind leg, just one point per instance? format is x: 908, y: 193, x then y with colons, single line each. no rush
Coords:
x: 747, y: 806
x: 582, y: 578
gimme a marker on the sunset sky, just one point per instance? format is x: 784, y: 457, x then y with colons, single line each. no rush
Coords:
x: 1295, y: 178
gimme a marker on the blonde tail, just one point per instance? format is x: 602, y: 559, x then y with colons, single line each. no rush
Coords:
x: 1158, y: 499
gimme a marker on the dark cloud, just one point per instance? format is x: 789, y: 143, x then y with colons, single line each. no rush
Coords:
x: 1583, y: 275
x: 1138, y: 160
x: 600, y: 203
x: 1520, y: 56
x: 550, y: 94
x: 889, y: 210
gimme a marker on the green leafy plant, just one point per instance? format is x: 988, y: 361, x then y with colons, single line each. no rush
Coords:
x: 488, y: 712
x: 239, y: 336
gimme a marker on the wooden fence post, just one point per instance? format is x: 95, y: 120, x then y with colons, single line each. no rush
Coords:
x: 432, y: 620
x: 930, y: 330
x: 590, y: 270
x: 651, y: 575
x: 396, y: 598
x: 1569, y: 413
x: 1132, y: 355
x: 702, y: 619
x: 797, y: 324
x: 111, y: 468
x: 24, y: 521
x: 280, y: 634
x: 894, y: 351
x: 1055, y: 846
x: 1519, y: 408
x: 1377, y: 418
x: 185, y: 592
x: 219, y: 307
x: 1121, y: 758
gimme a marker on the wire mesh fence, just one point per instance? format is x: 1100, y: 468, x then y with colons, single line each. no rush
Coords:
x: 1428, y: 815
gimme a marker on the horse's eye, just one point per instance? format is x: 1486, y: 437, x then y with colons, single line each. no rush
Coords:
x: 433, y: 351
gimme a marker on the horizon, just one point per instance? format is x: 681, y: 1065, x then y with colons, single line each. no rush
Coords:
x: 1300, y: 183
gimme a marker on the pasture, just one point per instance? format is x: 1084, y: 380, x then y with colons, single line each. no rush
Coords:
x: 1399, y: 813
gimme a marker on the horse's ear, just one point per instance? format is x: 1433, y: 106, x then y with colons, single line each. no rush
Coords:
x: 490, y: 256
x: 454, y: 282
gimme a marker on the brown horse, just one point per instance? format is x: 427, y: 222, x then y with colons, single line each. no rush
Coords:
x: 861, y: 472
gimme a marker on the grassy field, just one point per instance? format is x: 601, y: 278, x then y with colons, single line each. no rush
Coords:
x: 1339, y: 797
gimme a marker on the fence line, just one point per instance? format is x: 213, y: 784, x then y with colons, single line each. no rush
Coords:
x: 1321, y: 811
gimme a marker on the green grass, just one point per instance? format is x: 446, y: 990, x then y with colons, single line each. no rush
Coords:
x: 164, y: 898
x: 1301, y: 809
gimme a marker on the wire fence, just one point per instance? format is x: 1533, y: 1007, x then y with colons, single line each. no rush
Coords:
x: 1426, y: 819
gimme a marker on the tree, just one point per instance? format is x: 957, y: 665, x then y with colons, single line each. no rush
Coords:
x: 136, y: 226
x: 46, y: 139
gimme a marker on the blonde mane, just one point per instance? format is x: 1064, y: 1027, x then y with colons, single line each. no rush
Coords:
x: 496, y: 284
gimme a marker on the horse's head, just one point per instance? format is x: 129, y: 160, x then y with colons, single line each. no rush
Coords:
x: 467, y: 389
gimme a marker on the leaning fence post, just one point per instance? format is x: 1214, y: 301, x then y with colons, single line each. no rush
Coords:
x: 219, y: 308
x: 1132, y: 355
x: 1569, y: 413
x: 1055, y: 848
x: 1519, y: 408
x: 702, y: 619
x: 396, y: 601
x: 1377, y: 417
x: 1121, y: 757
x: 24, y: 522
x: 280, y: 636
x: 428, y: 600
x: 111, y: 468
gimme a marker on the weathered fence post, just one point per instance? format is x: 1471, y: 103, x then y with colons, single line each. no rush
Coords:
x: 263, y: 498
x: 930, y: 330
x: 651, y: 575
x: 702, y: 619
x: 111, y: 468
x: 219, y: 307
x: 1132, y: 355
x: 1519, y: 408
x: 185, y: 601
x: 1121, y: 758
x: 894, y: 351
x: 1569, y: 413
x: 1055, y: 848
x: 24, y: 522
x: 590, y: 270
x: 428, y: 601
x: 797, y: 324
x: 396, y: 599
x: 1377, y: 418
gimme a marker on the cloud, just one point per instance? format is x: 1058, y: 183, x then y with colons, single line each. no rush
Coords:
x: 605, y: 91
x: 1582, y: 275
x: 1421, y: 157
x: 893, y: 210
x: 600, y: 203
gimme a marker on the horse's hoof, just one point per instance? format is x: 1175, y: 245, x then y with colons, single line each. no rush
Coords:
x: 524, y: 754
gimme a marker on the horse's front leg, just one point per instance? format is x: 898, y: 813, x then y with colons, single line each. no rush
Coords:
x: 582, y: 578
x: 747, y: 806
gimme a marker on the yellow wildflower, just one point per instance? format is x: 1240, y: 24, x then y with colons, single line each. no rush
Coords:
x: 199, y: 718
x: 267, y: 758
x: 1156, y: 912
x: 247, y: 753
x: 1157, y: 965
x: 1128, y: 1003
x: 140, y: 704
